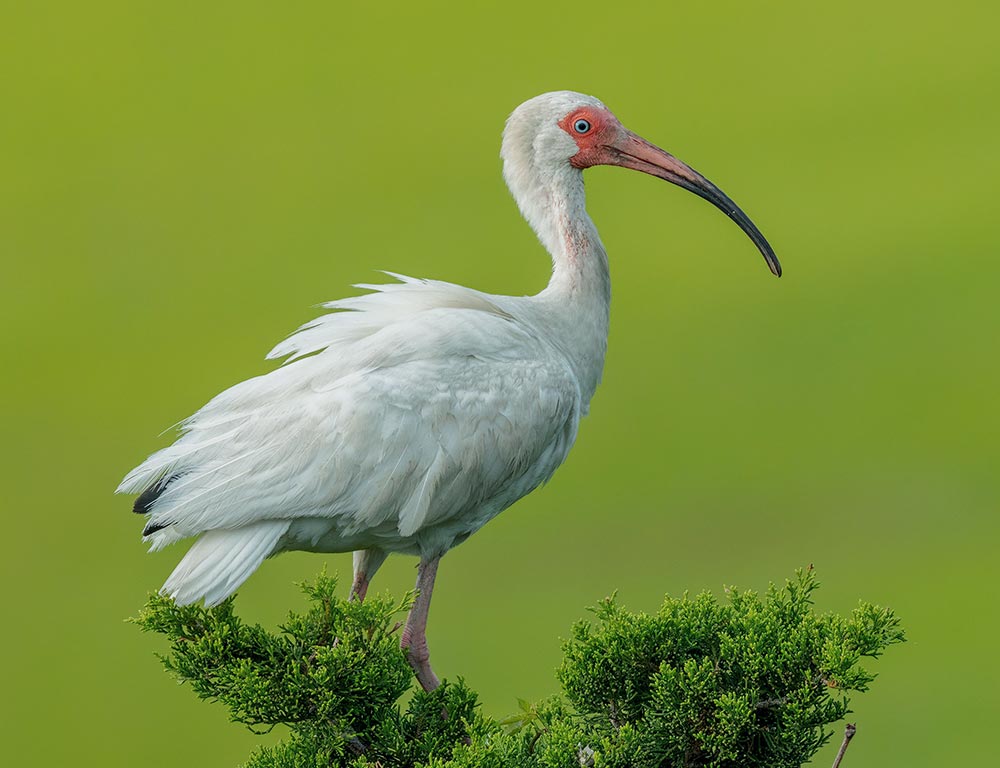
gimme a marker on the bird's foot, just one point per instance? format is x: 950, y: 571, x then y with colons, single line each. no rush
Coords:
x: 425, y: 675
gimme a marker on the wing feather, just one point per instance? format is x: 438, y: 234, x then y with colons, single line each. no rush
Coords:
x: 424, y: 404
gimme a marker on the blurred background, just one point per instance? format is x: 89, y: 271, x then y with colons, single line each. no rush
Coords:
x: 182, y: 182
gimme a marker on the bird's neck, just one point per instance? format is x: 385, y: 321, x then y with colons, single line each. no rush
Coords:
x: 578, y: 296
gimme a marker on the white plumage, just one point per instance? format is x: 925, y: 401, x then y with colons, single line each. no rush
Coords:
x: 406, y: 418
x: 427, y: 409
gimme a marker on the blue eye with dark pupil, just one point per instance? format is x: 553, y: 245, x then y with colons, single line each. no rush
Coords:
x: 581, y: 126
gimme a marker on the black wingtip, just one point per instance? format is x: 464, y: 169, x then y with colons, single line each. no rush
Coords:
x: 152, y: 528
x: 150, y: 495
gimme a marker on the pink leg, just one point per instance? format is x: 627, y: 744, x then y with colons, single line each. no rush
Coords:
x: 414, y: 639
x: 366, y: 562
x: 359, y: 588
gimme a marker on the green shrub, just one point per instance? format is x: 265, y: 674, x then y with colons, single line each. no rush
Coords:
x: 756, y: 680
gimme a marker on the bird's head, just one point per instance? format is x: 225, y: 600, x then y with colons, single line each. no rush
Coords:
x: 565, y: 132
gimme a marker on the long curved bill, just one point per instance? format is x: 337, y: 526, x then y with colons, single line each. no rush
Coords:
x: 635, y: 152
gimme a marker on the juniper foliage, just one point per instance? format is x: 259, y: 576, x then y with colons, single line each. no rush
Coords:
x: 755, y: 680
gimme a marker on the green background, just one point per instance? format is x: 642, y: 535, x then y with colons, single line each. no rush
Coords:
x: 181, y: 182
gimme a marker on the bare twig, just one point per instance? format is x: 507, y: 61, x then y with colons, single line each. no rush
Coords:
x: 848, y: 735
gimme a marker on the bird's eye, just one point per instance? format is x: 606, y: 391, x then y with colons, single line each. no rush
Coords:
x: 581, y: 126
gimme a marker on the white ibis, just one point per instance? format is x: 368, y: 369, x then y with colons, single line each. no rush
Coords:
x: 410, y: 416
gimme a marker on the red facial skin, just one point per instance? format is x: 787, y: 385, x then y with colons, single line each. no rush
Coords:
x: 605, y: 131
x: 609, y: 143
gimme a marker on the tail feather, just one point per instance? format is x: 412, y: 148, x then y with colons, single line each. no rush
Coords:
x: 221, y: 560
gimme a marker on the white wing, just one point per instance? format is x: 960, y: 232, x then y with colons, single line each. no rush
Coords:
x: 368, y: 314
x: 425, y: 411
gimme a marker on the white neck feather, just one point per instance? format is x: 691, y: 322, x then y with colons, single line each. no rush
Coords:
x: 549, y: 192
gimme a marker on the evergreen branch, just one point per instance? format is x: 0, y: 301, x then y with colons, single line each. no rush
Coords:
x: 751, y: 682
